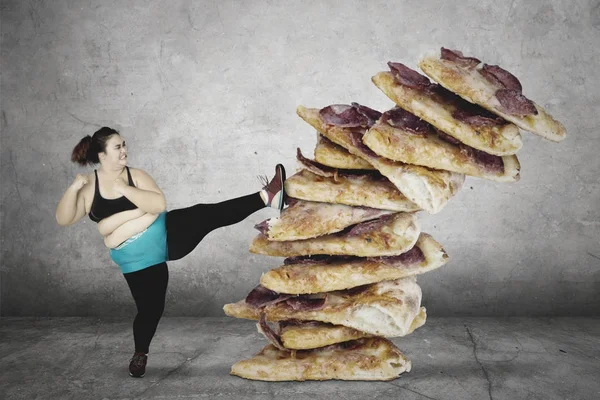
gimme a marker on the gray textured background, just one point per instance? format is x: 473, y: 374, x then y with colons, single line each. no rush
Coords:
x: 205, y: 95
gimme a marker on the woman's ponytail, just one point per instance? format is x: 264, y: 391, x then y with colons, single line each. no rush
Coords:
x: 81, y: 151
x: 86, y: 151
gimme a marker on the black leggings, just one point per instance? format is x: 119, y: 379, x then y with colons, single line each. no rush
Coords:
x: 186, y: 227
x: 149, y: 288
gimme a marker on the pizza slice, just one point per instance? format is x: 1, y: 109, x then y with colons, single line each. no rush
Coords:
x: 305, y: 275
x: 345, y: 125
x: 369, y: 359
x: 386, y: 308
x: 309, y: 219
x: 401, y: 136
x: 302, y: 335
x: 470, y: 124
x: 493, y: 88
x: 332, y: 155
x: 389, y: 235
x: 364, y: 190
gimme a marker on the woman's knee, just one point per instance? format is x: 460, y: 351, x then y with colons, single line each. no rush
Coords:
x: 152, y: 309
x: 152, y: 316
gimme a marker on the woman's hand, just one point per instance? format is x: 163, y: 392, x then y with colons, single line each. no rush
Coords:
x: 79, y: 182
x: 147, y: 195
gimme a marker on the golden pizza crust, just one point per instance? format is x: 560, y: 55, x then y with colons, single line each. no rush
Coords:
x: 433, y: 152
x: 369, y: 359
x: 430, y: 189
x: 309, y: 219
x: 500, y: 140
x: 317, y: 335
x: 359, y: 190
x: 318, y: 278
x: 397, y: 235
x: 332, y: 155
x: 321, y: 335
x: 385, y: 309
x: 469, y: 84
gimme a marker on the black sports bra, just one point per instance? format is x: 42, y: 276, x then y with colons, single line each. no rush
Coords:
x: 104, y: 208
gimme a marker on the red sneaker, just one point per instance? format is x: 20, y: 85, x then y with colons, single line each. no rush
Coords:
x: 275, y: 189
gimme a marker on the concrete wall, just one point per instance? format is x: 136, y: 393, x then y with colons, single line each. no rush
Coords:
x: 205, y: 95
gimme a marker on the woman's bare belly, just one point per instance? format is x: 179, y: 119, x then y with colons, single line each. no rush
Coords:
x: 129, y: 229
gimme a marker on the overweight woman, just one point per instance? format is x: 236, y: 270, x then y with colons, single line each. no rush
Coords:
x: 142, y: 235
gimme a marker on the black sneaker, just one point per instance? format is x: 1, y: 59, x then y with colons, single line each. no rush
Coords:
x: 137, y: 365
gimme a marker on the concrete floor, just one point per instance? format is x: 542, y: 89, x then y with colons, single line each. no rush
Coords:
x: 452, y: 358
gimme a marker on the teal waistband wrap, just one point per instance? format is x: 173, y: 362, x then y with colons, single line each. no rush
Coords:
x: 143, y: 250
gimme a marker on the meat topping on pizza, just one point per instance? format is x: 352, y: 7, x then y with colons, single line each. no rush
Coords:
x: 501, y: 77
x: 318, y: 259
x: 366, y: 227
x: 489, y: 161
x: 402, y: 119
x: 307, y: 302
x: 348, y: 345
x: 458, y: 57
x: 408, y: 77
x: 269, y: 333
x: 371, y: 115
x: 343, y: 115
x: 314, y: 166
x: 349, y: 116
x: 290, y: 201
x: 260, y: 296
x: 465, y: 111
x: 356, y: 138
x: 262, y: 227
x: 475, y: 115
x: 447, y: 138
x: 515, y: 103
x: 355, y: 290
x: 411, y: 257
x: 510, y: 92
x: 325, y: 140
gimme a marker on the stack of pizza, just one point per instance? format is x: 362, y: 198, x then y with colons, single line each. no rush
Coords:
x: 350, y: 238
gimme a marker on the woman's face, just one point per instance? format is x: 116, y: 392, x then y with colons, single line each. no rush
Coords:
x: 115, y: 153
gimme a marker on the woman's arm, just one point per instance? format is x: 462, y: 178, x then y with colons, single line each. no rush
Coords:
x: 108, y: 225
x: 128, y: 229
x: 147, y: 196
x: 71, y: 207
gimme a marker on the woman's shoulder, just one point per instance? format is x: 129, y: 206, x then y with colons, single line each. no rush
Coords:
x: 137, y: 172
x: 139, y: 175
x: 143, y: 180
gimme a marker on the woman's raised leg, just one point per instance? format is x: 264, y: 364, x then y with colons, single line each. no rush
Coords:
x: 186, y: 227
